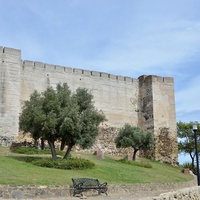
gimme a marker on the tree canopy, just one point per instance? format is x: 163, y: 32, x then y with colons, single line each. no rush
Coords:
x: 131, y: 136
x: 58, y: 115
x: 186, y: 143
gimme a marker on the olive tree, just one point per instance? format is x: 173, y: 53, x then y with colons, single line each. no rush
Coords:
x: 59, y: 115
x: 39, y: 117
x: 31, y: 116
x: 82, y: 128
x: 130, y: 136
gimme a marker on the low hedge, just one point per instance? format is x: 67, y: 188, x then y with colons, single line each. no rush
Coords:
x: 67, y: 164
x: 31, y: 151
x: 70, y: 163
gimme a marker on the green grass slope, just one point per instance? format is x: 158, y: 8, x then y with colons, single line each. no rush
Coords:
x: 13, y: 171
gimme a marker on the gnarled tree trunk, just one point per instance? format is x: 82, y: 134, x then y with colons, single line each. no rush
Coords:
x: 69, y: 148
x: 53, y: 150
x: 62, y: 146
x: 134, y: 153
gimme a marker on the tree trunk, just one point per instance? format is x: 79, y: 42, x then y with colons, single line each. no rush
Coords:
x: 193, y: 163
x: 42, y: 143
x: 134, y: 153
x: 62, y: 146
x: 69, y: 148
x: 53, y: 150
x: 36, y: 143
x: 192, y: 158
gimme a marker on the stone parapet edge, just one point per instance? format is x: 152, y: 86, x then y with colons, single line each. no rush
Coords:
x: 30, y: 191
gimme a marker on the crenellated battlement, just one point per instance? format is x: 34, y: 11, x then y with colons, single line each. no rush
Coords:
x: 153, y: 78
x: 10, y: 51
x: 74, y: 71
x: 64, y: 69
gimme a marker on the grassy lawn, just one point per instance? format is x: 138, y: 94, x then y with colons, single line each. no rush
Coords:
x: 13, y: 171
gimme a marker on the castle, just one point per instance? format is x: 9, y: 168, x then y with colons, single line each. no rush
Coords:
x: 147, y: 101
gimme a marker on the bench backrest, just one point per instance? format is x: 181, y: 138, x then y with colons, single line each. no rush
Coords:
x: 85, y: 182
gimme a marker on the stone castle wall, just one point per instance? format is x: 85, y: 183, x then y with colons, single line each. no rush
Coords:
x: 147, y: 102
x: 112, y: 94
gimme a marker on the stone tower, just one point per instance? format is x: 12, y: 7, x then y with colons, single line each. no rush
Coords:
x: 10, y: 66
x: 157, y: 113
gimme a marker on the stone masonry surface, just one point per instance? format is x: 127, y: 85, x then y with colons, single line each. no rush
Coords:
x: 43, y: 192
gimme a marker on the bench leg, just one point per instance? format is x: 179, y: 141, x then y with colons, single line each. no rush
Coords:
x: 102, y: 191
x: 77, y: 192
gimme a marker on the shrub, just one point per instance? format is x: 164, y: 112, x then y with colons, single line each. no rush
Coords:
x: 71, y: 163
x: 31, y: 151
x: 189, y: 166
x: 142, y: 163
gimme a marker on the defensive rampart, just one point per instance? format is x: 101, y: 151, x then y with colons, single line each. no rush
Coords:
x: 147, y: 102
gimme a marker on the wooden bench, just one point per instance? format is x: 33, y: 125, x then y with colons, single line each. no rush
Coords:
x: 84, y: 184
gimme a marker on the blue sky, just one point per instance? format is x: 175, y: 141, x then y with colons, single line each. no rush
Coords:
x: 122, y: 37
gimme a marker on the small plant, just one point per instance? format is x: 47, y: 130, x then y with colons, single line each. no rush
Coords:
x: 189, y: 166
x: 142, y: 163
